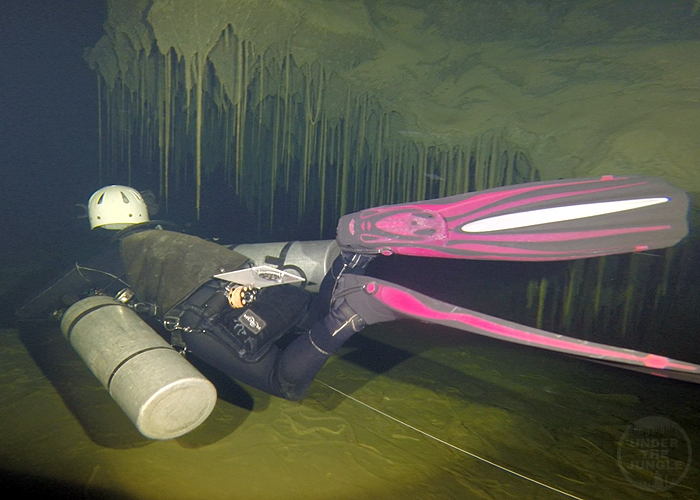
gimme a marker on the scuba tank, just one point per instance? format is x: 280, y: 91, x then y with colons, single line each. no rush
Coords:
x: 310, y: 260
x: 161, y: 393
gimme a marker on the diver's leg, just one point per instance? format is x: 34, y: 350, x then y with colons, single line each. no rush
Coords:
x: 258, y: 374
x: 241, y: 342
x: 300, y: 362
x: 284, y: 373
x: 288, y: 373
x: 345, y: 263
x: 303, y: 359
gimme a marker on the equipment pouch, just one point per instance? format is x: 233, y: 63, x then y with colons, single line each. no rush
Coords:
x: 250, y: 331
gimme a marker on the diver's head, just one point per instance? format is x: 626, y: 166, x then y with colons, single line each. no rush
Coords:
x: 116, y: 207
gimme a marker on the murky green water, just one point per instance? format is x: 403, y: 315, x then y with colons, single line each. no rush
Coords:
x: 424, y: 403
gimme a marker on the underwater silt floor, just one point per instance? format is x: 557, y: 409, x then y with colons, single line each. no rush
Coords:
x: 401, y: 411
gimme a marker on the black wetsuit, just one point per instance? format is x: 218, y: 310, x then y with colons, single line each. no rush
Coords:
x: 171, y: 273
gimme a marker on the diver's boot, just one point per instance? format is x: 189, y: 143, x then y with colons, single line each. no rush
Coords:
x: 303, y: 358
x: 346, y: 263
x: 352, y: 307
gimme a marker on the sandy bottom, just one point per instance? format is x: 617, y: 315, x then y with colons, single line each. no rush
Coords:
x: 405, y: 409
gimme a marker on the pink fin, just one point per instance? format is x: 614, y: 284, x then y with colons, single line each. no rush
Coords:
x: 439, y: 228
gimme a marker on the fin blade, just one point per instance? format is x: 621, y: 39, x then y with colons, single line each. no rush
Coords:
x: 558, y: 220
x: 407, y: 303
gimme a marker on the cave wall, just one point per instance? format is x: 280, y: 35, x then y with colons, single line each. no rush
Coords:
x: 333, y: 106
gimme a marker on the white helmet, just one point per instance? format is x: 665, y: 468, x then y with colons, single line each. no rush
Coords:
x: 116, y: 207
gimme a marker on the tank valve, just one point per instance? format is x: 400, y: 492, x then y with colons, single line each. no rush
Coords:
x: 241, y: 296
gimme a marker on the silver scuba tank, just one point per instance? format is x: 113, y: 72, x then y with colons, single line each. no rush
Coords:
x: 161, y: 393
x: 310, y: 260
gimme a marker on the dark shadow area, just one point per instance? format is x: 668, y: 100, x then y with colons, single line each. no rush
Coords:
x: 380, y: 358
x: 101, y: 418
x: 227, y: 389
x: 18, y: 485
x: 48, y: 98
x: 373, y: 355
x: 233, y: 407
x: 474, y: 284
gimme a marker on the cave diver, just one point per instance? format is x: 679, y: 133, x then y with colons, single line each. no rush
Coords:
x: 182, y: 281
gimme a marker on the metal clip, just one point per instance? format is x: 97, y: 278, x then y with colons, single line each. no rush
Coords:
x: 171, y: 323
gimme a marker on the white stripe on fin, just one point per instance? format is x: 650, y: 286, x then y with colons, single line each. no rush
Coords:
x: 556, y: 214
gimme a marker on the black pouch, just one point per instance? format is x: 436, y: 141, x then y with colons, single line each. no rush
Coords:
x: 250, y: 331
x: 207, y: 301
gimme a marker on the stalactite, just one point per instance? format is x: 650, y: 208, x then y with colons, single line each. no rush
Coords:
x: 597, y: 295
x: 167, y: 130
x: 359, y: 146
x: 572, y: 291
x: 199, y: 66
x: 629, y: 297
x: 323, y: 168
x: 261, y: 95
x: 100, y: 173
x: 287, y: 128
x: 345, y: 160
x: 275, y: 156
x: 542, y: 299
